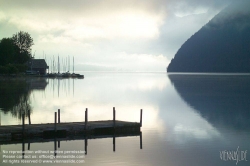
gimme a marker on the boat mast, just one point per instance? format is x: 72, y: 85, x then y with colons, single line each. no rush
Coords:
x: 73, y: 64
x: 58, y: 65
x: 53, y: 64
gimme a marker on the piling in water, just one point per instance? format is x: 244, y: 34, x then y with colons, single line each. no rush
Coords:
x: 29, y: 117
x: 86, y: 119
x: 55, y: 121
x: 23, y: 123
x: 59, y: 116
x: 114, y: 117
x: 141, y: 118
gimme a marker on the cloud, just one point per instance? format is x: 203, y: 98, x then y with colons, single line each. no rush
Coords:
x: 2, y: 16
x: 85, y: 20
x: 99, y: 19
x: 126, y: 24
x: 125, y: 62
x: 99, y: 31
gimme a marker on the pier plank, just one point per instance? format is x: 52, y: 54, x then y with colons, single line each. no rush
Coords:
x: 15, y: 132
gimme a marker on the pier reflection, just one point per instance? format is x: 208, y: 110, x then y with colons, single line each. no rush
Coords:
x: 57, y: 141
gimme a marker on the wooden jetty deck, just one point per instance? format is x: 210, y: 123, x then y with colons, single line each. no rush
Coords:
x: 64, y: 130
x: 13, y: 132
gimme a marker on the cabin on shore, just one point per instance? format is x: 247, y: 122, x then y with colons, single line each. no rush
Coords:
x: 37, y: 66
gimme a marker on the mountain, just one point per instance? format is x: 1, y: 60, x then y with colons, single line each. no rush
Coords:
x: 222, y: 45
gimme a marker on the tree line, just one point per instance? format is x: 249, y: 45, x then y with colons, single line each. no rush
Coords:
x: 15, y: 52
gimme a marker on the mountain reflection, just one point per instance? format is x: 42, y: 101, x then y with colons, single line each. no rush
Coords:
x: 15, y: 94
x: 223, y: 100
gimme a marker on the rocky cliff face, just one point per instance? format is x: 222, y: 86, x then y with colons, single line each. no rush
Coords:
x: 222, y: 45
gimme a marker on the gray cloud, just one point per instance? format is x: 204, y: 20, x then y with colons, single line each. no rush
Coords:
x: 107, y: 5
x: 106, y: 28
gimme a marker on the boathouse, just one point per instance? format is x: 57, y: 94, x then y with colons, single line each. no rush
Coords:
x: 38, y: 66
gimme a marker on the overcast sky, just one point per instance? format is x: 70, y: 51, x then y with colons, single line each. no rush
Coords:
x: 118, y: 35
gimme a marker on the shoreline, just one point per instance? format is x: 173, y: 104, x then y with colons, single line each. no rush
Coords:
x: 22, y: 75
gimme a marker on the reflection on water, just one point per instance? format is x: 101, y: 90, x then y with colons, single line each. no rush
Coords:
x: 221, y: 99
x: 18, y: 95
x: 187, y: 119
x: 14, y: 97
x: 98, y: 93
x: 58, y: 143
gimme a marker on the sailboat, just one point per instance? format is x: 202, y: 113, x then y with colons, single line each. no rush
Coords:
x: 52, y: 74
x: 59, y: 74
x: 66, y: 74
x: 74, y: 75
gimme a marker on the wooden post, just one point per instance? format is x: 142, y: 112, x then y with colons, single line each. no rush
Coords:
x: 86, y: 145
x: 141, y: 118
x: 86, y: 119
x: 55, y: 122
x: 23, y: 123
x: 55, y: 147
x: 58, y: 144
x: 114, y: 142
x: 114, y: 117
x: 28, y: 146
x: 29, y: 117
x: 58, y: 115
x: 140, y: 140
x: 23, y: 148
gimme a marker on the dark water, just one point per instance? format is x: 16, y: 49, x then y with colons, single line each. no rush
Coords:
x: 188, y: 119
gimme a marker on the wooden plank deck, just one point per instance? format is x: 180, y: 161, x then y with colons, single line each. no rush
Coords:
x: 12, y: 133
x: 48, y: 130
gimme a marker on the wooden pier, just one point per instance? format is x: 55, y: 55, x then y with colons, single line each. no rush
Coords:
x: 70, y: 129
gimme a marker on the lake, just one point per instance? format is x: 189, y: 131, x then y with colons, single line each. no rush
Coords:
x: 188, y: 119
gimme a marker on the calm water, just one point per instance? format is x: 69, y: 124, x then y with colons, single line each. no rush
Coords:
x: 187, y: 119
